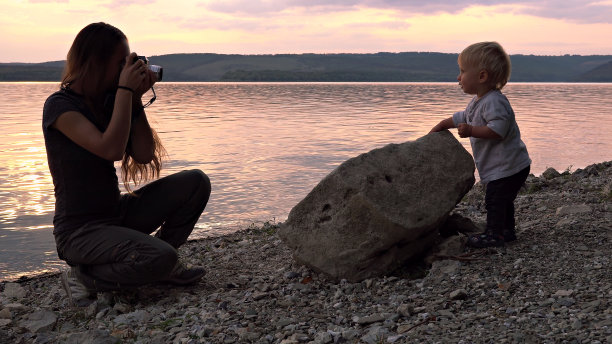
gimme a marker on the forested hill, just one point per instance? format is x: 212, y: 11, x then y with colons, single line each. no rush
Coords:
x: 409, y: 66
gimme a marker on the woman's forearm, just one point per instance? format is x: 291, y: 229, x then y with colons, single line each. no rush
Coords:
x: 115, y: 137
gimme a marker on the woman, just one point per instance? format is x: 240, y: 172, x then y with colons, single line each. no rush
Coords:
x: 96, y: 118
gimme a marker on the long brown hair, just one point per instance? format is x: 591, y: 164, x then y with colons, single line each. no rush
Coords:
x: 87, y: 61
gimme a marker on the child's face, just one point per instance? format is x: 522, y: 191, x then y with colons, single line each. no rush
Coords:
x: 472, y: 79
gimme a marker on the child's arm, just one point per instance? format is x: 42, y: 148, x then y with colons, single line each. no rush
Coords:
x: 481, y: 132
x: 443, y: 125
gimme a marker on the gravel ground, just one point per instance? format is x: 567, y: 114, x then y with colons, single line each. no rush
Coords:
x: 553, y: 285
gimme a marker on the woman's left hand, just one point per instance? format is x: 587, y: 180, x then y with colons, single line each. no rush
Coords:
x: 146, y: 84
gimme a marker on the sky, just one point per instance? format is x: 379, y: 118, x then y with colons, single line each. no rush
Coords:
x: 43, y: 30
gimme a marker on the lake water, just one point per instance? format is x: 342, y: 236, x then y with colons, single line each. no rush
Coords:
x: 266, y: 145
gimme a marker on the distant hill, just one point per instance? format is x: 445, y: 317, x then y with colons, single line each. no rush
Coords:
x: 47, y: 71
x: 602, y: 73
x: 408, y: 66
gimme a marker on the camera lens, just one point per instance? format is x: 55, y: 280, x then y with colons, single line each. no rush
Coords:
x: 158, y: 70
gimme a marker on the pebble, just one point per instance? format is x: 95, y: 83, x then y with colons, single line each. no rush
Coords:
x: 551, y: 285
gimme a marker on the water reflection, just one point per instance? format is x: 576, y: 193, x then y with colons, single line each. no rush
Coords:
x: 266, y: 145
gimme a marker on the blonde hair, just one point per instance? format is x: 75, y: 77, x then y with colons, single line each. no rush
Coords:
x: 491, y: 57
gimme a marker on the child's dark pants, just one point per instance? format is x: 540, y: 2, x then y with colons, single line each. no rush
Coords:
x: 499, y: 199
x: 124, y: 255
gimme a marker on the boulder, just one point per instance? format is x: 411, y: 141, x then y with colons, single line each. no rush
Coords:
x: 380, y: 209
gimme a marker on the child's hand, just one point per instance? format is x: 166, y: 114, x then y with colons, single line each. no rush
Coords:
x: 465, y: 130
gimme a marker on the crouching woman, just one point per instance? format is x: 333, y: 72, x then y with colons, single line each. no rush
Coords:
x: 96, y: 118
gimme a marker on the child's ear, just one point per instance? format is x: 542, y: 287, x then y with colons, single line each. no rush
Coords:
x: 483, y: 76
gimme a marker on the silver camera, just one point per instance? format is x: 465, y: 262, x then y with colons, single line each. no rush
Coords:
x: 158, y: 70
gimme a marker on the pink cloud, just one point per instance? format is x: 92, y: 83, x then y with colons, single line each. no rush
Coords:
x: 590, y: 11
x: 47, y: 1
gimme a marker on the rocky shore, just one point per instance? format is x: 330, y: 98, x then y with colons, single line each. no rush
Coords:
x: 553, y: 285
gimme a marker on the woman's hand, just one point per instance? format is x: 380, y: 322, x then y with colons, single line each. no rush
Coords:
x: 133, y: 73
x: 146, y: 84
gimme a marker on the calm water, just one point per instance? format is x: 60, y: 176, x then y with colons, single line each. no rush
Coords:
x: 266, y: 145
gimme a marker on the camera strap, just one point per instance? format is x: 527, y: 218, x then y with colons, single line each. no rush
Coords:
x: 152, y: 99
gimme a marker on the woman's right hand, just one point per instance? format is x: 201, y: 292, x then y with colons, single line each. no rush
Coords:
x: 133, y: 72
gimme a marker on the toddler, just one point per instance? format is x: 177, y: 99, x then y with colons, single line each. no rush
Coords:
x: 488, y: 120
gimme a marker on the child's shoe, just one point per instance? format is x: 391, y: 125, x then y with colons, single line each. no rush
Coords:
x: 509, y: 235
x: 485, y: 239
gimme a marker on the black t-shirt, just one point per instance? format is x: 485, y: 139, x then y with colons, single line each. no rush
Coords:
x: 86, y: 186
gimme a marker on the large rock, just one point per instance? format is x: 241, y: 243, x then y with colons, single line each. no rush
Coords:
x: 378, y: 210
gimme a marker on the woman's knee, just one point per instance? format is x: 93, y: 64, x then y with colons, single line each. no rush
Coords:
x: 201, y: 182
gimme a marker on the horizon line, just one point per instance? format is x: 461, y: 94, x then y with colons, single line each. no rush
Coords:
x: 342, y: 53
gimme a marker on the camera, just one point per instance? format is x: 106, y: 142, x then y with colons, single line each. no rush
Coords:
x: 158, y: 70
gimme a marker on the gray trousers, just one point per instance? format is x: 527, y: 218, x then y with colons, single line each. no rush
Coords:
x: 125, y: 255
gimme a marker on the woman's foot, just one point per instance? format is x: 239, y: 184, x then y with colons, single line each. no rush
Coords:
x: 183, y: 275
x: 78, y: 294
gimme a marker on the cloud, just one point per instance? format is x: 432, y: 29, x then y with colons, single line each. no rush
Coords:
x: 114, y: 4
x: 590, y: 11
x: 47, y: 1
x: 575, y: 10
x: 210, y: 22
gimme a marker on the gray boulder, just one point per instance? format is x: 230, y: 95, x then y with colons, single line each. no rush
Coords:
x: 378, y: 210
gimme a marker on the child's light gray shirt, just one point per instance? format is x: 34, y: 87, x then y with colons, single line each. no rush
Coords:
x: 495, y: 159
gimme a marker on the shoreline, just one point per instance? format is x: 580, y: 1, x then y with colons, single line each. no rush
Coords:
x: 552, y: 285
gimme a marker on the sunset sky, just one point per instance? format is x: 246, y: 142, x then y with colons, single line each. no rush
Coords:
x: 42, y: 30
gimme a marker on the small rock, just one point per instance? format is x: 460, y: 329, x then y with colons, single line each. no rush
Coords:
x: 40, y: 321
x: 563, y: 293
x: 14, y: 291
x: 121, y: 308
x: 368, y: 319
x: 446, y: 313
x: 259, y: 295
x: 405, y: 310
x: 459, y: 294
x: 574, y: 209
x: 375, y: 335
x: 442, y: 269
x: 291, y: 274
x: 550, y: 173
x: 15, y: 307
x: 5, y: 313
x: 566, y: 301
x: 350, y: 334
x: 323, y: 338
x: 284, y: 322
x: 393, y: 339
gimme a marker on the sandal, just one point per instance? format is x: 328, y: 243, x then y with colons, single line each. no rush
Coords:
x: 483, y: 240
